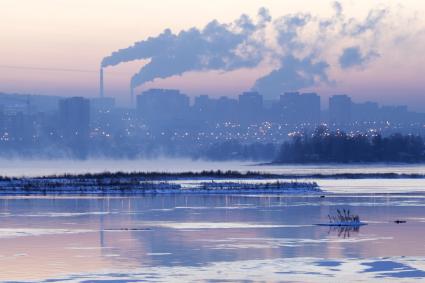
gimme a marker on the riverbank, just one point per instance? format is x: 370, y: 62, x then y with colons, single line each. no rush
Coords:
x: 216, y: 182
x: 111, y: 177
x: 204, y: 182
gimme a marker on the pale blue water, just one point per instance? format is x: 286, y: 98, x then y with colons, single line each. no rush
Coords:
x: 214, y: 238
x: 209, y: 239
x: 20, y: 167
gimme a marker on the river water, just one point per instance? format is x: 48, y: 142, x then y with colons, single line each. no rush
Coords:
x: 22, y: 167
x: 209, y: 238
x: 218, y: 238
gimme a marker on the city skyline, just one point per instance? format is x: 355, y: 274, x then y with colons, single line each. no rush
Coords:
x: 386, y: 74
x: 44, y: 101
x: 166, y: 123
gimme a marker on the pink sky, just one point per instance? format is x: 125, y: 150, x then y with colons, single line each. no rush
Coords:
x: 78, y: 34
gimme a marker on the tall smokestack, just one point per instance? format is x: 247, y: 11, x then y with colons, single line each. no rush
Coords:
x: 101, y: 83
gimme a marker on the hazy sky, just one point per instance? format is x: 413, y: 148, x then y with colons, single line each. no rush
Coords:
x: 372, y: 50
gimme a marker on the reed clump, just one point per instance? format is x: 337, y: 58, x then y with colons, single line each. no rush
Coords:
x: 344, y: 217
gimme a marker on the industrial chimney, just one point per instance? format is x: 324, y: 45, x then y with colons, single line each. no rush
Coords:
x: 101, y: 83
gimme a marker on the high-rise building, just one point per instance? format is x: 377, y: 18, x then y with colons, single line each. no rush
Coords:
x: 227, y: 109
x: 288, y: 103
x: 365, y: 112
x: 2, y: 120
x: 205, y: 108
x: 395, y: 114
x: 162, y: 107
x: 102, y: 104
x: 103, y: 115
x: 299, y: 108
x: 250, y: 107
x: 340, y: 109
x: 309, y: 106
x: 74, y: 122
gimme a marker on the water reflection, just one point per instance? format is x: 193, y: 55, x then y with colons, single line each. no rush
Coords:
x: 344, y: 231
x: 56, y: 237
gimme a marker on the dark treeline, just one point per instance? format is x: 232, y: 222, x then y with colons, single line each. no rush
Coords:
x: 138, y: 176
x: 327, y: 147
x: 155, y: 175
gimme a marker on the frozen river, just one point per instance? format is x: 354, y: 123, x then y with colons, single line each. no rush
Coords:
x: 210, y: 238
x: 214, y: 238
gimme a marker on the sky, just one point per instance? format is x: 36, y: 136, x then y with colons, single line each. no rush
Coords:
x: 371, y: 50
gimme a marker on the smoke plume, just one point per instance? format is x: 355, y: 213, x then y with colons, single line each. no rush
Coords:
x: 292, y: 75
x: 353, y: 57
x: 216, y: 47
x: 295, y: 44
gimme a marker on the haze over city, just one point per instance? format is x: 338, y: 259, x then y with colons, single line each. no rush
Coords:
x: 212, y: 141
x: 369, y: 50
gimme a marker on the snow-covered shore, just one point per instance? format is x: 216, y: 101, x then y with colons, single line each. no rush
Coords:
x: 140, y: 185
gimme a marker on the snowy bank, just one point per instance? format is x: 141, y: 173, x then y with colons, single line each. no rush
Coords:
x: 131, y: 184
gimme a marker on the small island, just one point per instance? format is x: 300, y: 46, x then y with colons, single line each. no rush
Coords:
x: 210, y: 182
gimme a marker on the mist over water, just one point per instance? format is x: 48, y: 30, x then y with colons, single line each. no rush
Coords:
x: 40, y: 167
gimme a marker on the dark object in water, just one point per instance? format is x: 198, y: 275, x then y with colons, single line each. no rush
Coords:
x: 344, y: 231
x: 343, y: 224
x: 400, y: 221
x: 342, y: 219
x: 322, y: 196
x: 129, y: 229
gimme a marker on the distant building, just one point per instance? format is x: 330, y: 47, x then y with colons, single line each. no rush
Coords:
x: 102, y: 104
x: 103, y: 116
x: 250, y: 107
x: 365, y: 112
x: 288, y: 104
x: 16, y: 125
x: 74, y: 122
x: 163, y: 107
x: 299, y: 108
x: 395, y: 114
x: 227, y: 109
x: 340, y: 109
x: 30, y: 103
x: 2, y: 120
x: 205, y: 108
x: 309, y: 106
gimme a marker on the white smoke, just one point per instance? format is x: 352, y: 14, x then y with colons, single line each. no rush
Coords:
x: 295, y: 43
